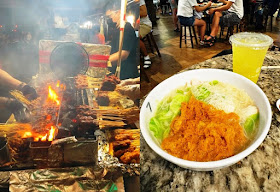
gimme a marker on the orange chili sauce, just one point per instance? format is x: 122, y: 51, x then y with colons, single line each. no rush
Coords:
x: 204, y: 133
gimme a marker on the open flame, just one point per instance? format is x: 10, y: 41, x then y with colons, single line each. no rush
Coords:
x: 53, y: 96
x: 48, y: 136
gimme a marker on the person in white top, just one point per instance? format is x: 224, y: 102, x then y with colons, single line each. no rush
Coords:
x: 227, y: 15
x: 186, y: 16
x: 145, y: 28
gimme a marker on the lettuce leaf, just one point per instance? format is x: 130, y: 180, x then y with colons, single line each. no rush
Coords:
x: 250, y: 124
x: 167, y: 110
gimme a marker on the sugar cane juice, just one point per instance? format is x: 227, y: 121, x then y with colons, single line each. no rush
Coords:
x: 249, y: 51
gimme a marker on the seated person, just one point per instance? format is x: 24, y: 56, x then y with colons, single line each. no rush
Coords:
x: 227, y: 15
x: 186, y: 16
x: 128, y: 56
x: 145, y: 28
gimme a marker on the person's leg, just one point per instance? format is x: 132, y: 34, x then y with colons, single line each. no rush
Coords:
x: 143, y: 48
x: 175, y: 18
x: 215, y: 24
x: 201, y: 26
x: 144, y: 30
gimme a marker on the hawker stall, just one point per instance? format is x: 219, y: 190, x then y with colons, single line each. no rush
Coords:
x: 80, y: 133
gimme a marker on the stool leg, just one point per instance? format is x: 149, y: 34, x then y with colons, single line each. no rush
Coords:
x: 155, y: 44
x: 237, y: 26
x: 228, y: 31
x: 181, y: 33
x: 185, y: 34
x: 149, y: 41
x: 195, y: 35
x: 221, y: 33
x: 271, y: 23
x: 190, y: 29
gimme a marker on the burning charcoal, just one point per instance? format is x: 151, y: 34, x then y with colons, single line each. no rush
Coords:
x: 103, y: 99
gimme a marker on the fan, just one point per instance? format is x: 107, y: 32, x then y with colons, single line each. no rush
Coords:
x: 68, y: 60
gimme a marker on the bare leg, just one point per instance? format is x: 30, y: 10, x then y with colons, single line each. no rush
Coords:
x: 215, y: 24
x: 175, y: 18
x: 201, y: 26
x: 143, y: 48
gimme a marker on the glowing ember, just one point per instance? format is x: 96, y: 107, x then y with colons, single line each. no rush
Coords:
x: 53, y: 96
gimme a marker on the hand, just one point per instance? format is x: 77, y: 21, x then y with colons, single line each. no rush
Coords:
x: 132, y: 91
x: 129, y: 82
x: 209, y: 4
x: 211, y: 11
x: 21, y: 113
x: 29, y: 92
x: 14, y: 105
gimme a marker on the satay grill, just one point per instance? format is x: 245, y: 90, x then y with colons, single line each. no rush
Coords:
x: 68, y: 113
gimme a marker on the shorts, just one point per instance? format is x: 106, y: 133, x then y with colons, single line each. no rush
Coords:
x: 173, y: 5
x: 229, y: 19
x: 144, y: 29
x: 186, y: 21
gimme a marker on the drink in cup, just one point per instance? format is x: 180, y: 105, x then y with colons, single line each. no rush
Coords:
x: 249, y: 50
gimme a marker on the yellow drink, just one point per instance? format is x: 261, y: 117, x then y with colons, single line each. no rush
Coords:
x: 249, y: 50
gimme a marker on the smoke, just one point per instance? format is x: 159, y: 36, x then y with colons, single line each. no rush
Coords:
x: 18, y: 54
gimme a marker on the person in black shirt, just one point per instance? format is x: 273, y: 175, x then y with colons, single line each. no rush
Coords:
x: 129, y: 64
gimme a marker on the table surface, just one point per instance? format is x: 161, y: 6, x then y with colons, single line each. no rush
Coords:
x: 260, y: 171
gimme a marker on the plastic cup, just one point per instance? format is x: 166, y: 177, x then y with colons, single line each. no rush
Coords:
x: 249, y: 50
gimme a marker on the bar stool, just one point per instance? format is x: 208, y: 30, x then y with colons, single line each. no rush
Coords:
x: 230, y: 30
x: 266, y: 21
x: 151, y: 40
x: 191, y: 28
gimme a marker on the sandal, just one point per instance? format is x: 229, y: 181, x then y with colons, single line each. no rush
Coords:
x: 147, y: 63
x: 210, y: 42
x: 201, y: 43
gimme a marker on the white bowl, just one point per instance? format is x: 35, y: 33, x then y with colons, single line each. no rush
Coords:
x: 164, y: 88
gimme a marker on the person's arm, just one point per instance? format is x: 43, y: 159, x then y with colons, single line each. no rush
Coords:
x: 114, y: 57
x: 223, y: 1
x: 143, y: 11
x: 200, y: 9
x: 7, y: 79
x: 222, y: 8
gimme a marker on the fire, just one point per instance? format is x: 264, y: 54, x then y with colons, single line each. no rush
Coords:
x: 47, y: 137
x: 58, y: 83
x: 44, y: 138
x: 27, y: 134
x: 53, y: 96
x: 51, y: 133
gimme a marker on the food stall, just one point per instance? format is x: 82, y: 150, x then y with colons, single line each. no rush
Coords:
x: 80, y: 133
